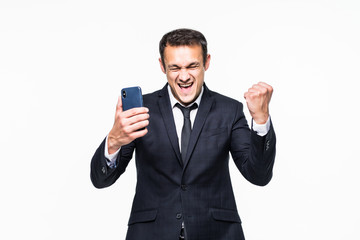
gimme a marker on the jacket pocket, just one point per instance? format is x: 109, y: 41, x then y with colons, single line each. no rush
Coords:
x: 212, y: 132
x: 142, y: 216
x: 225, y: 215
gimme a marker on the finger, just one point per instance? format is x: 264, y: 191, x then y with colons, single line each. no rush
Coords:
x: 263, y: 89
x: 257, y: 86
x: 264, y: 84
x: 249, y: 96
x: 254, y: 91
x: 138, y: 125
x: 260, y: 87
x: 138, y: 118
x: 135, y: 111
x: 138, y: 134
x: 267, y: 86
x: 246, y: 94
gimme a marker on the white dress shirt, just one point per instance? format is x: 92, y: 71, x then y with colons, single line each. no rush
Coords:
x: 261, y: 129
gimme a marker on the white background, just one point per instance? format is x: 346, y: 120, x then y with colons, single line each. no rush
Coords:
x: 63, y: 63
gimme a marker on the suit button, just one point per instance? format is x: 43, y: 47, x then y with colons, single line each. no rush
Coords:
x: 178, y: 216
x: 103, y: 170
x: 183, y: 187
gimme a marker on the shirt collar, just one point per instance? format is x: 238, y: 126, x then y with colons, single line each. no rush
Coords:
x: 173, y: 100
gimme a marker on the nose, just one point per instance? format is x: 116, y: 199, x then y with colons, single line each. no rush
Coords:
x: 184, y: 76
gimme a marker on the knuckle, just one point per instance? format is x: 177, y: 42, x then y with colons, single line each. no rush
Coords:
x: 126, y: 131
x: 122, y: 123
x: 132, y: 111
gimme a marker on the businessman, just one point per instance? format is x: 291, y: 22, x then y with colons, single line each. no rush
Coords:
x: 182, y: 153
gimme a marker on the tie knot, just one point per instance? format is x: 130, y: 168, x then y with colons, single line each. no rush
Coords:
x: 186, y: 110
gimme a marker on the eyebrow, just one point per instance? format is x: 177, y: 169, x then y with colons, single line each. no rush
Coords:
x: 193, y: 64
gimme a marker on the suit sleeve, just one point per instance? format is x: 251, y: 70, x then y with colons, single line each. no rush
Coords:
x: 101, y: 174
x: 253, y: 155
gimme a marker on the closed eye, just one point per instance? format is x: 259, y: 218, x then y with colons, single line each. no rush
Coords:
x: 174, y: 68
x: 193, y: 66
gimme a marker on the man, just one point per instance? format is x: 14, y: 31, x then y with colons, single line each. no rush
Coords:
x: 183, y: 183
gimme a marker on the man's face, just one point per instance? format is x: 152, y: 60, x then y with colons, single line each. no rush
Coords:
x: 185, y: 71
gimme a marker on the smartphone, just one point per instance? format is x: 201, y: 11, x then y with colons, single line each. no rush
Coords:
x: 131, y: 98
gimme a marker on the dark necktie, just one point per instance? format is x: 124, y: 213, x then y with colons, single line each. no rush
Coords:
x: 186, y: 130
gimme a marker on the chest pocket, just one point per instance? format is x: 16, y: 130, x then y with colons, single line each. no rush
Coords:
x: 213, y: 132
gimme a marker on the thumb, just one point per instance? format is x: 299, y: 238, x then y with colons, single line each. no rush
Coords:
x: 246, y: 95
x: 119, y: 105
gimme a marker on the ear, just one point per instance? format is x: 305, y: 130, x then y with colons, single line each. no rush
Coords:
x: 162, y: 66
x: 207, y: 64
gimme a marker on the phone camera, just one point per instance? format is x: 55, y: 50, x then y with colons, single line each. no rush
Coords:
x: 124, y: 94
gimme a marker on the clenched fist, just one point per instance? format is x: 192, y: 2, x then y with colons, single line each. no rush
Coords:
x: 258, y: 99
x: 126, y: 126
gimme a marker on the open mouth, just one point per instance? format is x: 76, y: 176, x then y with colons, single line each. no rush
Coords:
x: 185, y: 86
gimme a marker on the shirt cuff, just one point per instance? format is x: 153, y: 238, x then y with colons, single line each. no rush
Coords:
x: 110, y: 158
x: 261, y: 129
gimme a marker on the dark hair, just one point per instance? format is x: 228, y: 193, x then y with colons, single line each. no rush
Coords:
x: 183, y: 37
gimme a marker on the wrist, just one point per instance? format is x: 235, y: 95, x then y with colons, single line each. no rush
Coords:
x: 112, y: 144
x: 260, y: 118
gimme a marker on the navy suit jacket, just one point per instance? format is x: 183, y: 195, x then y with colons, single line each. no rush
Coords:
x: 198, y: 192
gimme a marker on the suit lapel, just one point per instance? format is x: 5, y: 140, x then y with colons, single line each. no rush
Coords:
x: 204, y: 109
x: 168, y: 118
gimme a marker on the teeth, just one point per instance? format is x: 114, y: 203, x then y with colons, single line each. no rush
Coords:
x: 184, y: 85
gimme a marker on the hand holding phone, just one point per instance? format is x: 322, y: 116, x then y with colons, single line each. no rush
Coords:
x: 131, y: 119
